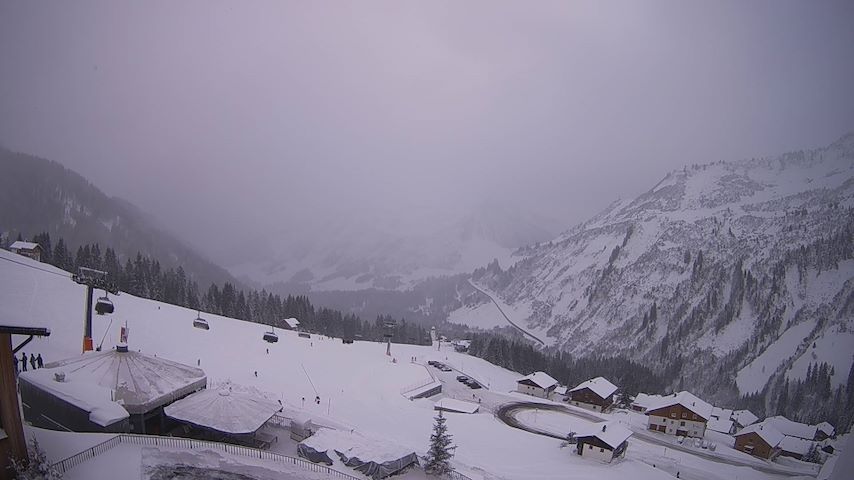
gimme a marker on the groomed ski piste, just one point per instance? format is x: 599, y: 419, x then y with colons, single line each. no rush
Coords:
x: 360, y: 389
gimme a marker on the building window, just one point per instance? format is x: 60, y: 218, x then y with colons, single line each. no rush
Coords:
x: 673, y: 414
x: 601, y: 450
x: 681, y: 424
x: 589, y: 447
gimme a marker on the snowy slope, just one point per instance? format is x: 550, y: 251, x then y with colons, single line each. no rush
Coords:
x: 714, y: 264
x: 359, y: 386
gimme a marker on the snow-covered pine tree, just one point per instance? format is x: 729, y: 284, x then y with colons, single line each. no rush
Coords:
x: 441, y: 449
x: 37, y: 467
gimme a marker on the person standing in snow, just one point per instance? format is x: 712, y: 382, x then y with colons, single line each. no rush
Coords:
x: 33, y: 361
x: 15, y: 361
x: 24, y: 361
x: 39, y: 361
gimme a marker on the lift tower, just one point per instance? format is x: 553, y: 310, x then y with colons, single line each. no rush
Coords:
x: 94, y: 279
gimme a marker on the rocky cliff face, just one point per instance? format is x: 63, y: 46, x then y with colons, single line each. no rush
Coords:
x: 706, y: 272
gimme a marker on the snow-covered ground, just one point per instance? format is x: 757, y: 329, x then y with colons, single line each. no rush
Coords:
x: 358, y: 385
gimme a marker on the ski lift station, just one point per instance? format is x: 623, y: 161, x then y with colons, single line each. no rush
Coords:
x: 110, y: 391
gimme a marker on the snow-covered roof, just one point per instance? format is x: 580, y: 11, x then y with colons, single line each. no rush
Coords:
x: 722, y: 413
x: 353, y: 444
x: 644, y: 400
x: 456, y: 405
x: 744, y: 417
x: 795, y: 445
x: 612, y: 433
x: 423, y: 389
x: 687, y: 400
x: 827, y: 428
x: 19, y: 245
x: 723, y: 425
x: 228, y: 409
x: 791, y: 428
x: 561, y: 390
x: 92, y: 398
x: 141, y: 383
x: 292, y: 322
x: 771, y: 435
x: 540, y: 379
x: 599, y: 385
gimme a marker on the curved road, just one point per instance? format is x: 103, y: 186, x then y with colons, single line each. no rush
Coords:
x: 507, y: 414
x: 504, y: 314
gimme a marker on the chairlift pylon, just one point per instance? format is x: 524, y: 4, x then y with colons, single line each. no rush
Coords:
x: 200, y: 322
x: 103, y: 305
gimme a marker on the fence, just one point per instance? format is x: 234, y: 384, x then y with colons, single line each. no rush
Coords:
x: 190, y: 444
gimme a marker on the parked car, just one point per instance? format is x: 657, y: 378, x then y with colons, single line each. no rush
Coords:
x: 473, y: 385
x: 462, y: 378
x: 697, y: 443
x: 432, y: 363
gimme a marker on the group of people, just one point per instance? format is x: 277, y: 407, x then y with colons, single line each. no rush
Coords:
x: 35, y: 362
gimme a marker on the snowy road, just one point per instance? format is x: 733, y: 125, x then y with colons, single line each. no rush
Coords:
x: 498, y: 306
x: 508, y: 413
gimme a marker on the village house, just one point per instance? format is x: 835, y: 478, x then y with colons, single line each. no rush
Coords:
x: 681, y: 414
x: 743, y: 418
x: 791, y: 428
x: 596, y: 394
x: 721, y: 421
x: 27, y: 249
x: 603, y: 441
x: 537, y: 384
x: 794, y: 447
x: 824, y: 430
x: 561, y: 394
x: 642, y: 401
x: 290, y: 324
x: 759, y: 440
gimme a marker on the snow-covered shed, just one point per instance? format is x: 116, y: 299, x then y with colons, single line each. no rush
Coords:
x: 603, y: 441
x: 27, y: 249
x: 759, y: 440
x: 538, y: 384
x: 794, y: 447
x: 98, y: 386
x: 596, y: 394
x: 682, y: 414
x: 369, y: 456
x: 824, y: 430
x: 230, y: 413
x: 456, y: 406
x: 743, y: 418
x: 290, y: 323
x: 721, y: 425
x: 561, y: 393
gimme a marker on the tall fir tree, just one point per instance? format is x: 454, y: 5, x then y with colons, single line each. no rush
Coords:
x: 441, y: 449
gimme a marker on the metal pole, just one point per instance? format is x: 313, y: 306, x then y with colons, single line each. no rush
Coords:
x: 87, y: 321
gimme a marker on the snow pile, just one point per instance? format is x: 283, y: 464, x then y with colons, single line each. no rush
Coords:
x: 228, y: 409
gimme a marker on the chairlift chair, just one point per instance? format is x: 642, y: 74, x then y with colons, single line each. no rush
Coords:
x: 104, y: 305
x: 271, y: 337
x: 200, y: 322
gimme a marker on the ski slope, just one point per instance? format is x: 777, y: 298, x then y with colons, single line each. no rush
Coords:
x: 358, y: 385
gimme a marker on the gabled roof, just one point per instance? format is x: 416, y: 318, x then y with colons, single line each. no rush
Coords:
x: 24, y: 245
x: 722, y: 413
x: 795, y: 445
x: 769, y: 434
x: 599, y: 385
x: 827, y: 428
x: 744, y: 417
x: 723, y: 425
x: 687, y: 400
x: 292, y: 322
x: 561, y: 390
x: 540, y: 379
x: 612, y: 433
x: 645, y: 400
x: 791, y: 428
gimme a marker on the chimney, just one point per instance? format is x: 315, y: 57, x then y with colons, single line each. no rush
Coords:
x: 59, y: 376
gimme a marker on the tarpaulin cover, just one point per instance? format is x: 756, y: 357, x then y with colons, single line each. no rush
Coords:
x: 313, y: 455
x: 378, y: 471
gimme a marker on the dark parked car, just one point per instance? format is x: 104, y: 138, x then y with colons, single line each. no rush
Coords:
x: 432, y: 363
x: 474, y: 385
x: 462, y: 378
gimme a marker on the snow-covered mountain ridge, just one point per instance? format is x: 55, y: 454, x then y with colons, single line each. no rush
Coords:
x: 712, y: 266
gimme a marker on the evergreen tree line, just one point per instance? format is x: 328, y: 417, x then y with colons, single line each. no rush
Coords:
x: 144, y: 277
x: 522, y: 357
x: 813, y: 400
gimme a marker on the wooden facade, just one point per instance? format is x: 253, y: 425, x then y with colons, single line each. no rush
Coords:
x: 586, y: 397
x: 592, y: 446
x: 752, y: 443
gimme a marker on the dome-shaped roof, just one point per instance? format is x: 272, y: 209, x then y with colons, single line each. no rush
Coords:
x: 230, y: 409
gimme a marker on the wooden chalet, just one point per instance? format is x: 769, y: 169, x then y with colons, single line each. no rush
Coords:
x: 596, y: 394
x: 27, y: 249
x: 682, y: 414
x: 603, y: 441
x: 759, y: 440
x: 537, y: 384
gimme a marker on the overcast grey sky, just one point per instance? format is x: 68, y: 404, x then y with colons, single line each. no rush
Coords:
x: 220, y: 116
